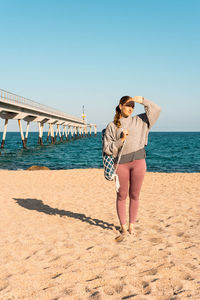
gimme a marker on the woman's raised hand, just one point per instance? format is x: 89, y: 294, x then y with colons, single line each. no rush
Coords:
x: 124, y: 134
x: 138, y: 99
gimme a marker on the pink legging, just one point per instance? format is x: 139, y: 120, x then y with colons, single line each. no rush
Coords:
x: 131, y: 176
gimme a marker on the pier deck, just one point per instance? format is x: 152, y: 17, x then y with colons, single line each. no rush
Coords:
x: 19, y: 108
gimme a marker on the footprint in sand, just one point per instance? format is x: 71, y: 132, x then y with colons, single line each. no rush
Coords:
x: 95, y: 278
x: 190, y: 246
x: 157, y: 228
x: 67, y: 265
x: 95, y: 295
x: 118, y: 288
x: 187, y: 276
x: 147, y: 291
x: 155, y: 279
x: 109, y: 290
x: 145, y: 284
x: 152, y: 271
x: 187, y: 236
x: 155, y: 240
x: 180, y: 233
x: 190, y: 266
x: 68, y: 291
x: 56, y: 276
x: 55, y: 258
x: 129, y: 296
x: 87, y: 289
x: 89, y: 248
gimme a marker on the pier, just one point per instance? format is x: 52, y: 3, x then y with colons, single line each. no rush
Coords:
x: 60, y: 124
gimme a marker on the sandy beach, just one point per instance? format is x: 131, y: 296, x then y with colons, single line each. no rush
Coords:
x: 58, y: 231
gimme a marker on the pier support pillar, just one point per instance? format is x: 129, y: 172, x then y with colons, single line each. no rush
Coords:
x: 48, y: 132
x: 27, y: 130
x: 52, y: 135
x: 40, y: 126
x: 79, y: 132
x: 73, y: 132
x: 90, y: 130
x: 56, y: 132
x: 68, y: 131
x: 22, y: 134
x: 59, y: 133
x: 4, y: 133
x: 86, y: 132
x: 65, y: 132
x: 42, y: 129
x: 95, y: 130
x: 76, y: 132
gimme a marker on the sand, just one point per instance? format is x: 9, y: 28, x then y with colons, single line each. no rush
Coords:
x: 58, y: 231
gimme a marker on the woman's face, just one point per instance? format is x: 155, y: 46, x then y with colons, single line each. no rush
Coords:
x: 127, y: 108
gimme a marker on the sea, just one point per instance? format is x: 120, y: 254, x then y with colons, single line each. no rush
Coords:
x: 168, y: 152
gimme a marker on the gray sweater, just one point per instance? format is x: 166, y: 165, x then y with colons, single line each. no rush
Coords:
x: 138, y: 127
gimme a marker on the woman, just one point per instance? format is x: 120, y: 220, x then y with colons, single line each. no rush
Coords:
x: 133, y: 131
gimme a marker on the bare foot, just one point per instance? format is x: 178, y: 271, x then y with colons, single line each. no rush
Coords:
x: 124, y: 234
x: 123, y: 230
x: 131, y: 229
x: 120, y: 238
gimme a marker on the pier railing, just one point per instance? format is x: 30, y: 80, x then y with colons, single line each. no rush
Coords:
x: 9, y: 97
x: 17, y: 107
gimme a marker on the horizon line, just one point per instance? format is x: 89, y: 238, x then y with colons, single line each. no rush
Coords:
x: 101, y: 131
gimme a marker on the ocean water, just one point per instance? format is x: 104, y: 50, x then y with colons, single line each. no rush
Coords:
x: 166, y: 152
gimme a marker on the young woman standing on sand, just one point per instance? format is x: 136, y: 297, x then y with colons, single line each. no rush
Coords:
x: 132, y: 164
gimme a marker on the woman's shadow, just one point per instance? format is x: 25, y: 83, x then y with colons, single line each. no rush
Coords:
x: 35, y: 204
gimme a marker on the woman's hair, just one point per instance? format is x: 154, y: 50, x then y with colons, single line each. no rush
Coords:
x: 117, y: 116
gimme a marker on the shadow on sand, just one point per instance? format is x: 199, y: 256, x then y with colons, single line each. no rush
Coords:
x: 35, y: 204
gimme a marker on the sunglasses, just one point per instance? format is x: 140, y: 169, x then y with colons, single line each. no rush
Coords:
x: 130, y: 104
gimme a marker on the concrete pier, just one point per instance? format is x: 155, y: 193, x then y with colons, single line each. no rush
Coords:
x: 22, y: 133
x: 4, y: 133
x: 19, y: 108
x: 27, y: 129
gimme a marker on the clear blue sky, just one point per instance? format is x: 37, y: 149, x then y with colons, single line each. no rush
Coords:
x: 69, y: 53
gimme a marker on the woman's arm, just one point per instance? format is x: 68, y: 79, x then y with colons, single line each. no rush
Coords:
x: 110, y: 145
x: 152, y: 109
x: 138, y: 99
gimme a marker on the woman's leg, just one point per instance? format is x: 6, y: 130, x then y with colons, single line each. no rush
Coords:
x: 123, y: 173
x: 137, y: 173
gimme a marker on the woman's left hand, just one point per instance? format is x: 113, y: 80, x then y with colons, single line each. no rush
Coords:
x: 138, y: 99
